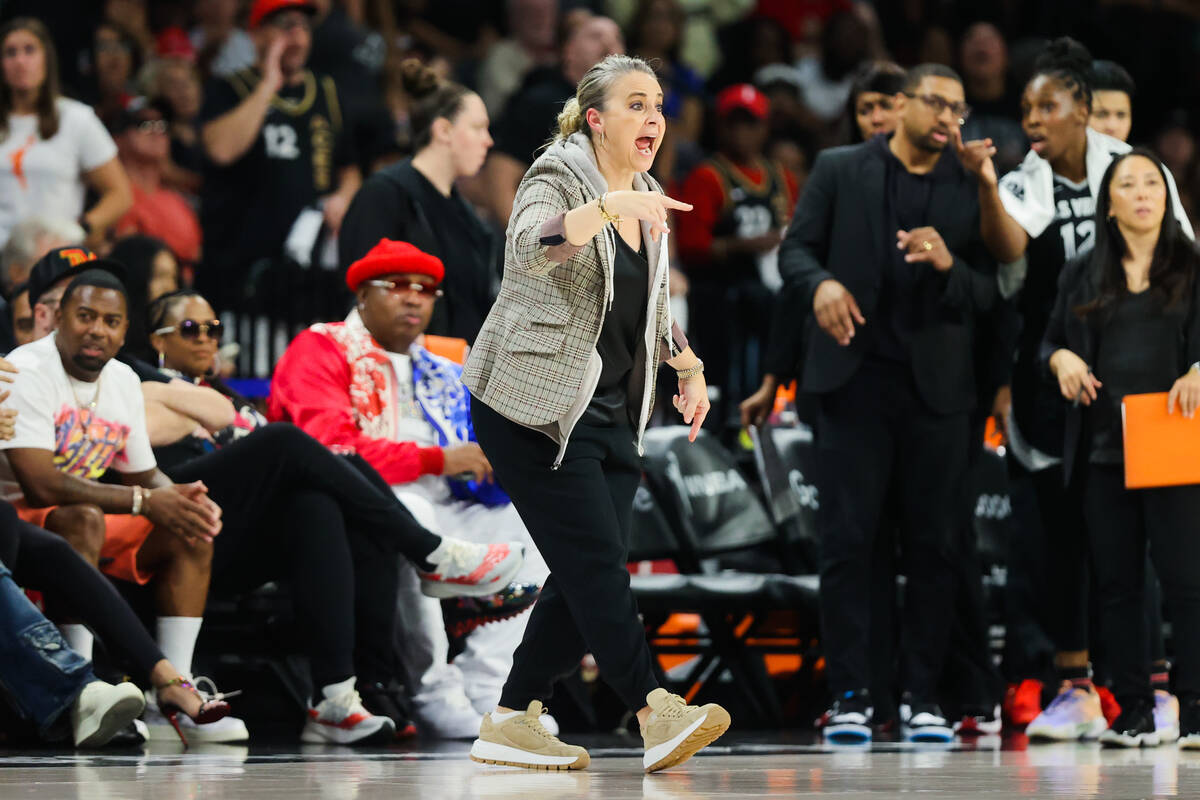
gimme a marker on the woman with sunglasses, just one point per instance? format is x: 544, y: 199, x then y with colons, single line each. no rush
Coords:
x: 1035, y: 219
x: 325, y: 525
x: 52, y: 149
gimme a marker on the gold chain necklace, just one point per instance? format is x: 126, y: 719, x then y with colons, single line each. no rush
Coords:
x: 90, y: 408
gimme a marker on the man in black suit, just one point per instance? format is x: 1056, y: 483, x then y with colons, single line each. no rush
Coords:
x: 885, y: 248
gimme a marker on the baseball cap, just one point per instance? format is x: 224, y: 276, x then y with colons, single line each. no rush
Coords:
x: 67, y: 262
x: 745, y: 97
x: 173, y: 42
x: 265, y: 8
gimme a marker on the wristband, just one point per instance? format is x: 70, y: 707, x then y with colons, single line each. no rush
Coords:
x: 138, y: 499
x: 691, y: 372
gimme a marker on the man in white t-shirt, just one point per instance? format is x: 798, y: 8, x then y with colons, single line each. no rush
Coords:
x: 368, y: 384
x: 80, y: 413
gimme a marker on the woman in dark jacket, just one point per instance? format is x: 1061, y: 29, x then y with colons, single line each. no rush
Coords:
x: 1125, y: 322
x: 416, y: 201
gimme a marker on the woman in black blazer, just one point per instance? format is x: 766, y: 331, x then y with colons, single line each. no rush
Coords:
x: 1125, y: 322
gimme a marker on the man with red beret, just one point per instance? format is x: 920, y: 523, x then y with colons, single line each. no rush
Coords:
x: 367, y: 384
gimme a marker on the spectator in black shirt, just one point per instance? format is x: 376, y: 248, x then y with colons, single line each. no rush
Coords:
x: 416, y: 201
x: 275, y: 146
x: 993, y: 98
x: 533, y: 110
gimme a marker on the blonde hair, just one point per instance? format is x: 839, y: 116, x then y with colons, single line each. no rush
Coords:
x: 592, y: 90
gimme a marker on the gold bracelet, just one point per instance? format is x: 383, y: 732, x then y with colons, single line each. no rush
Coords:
x: 613, y: 219
x: 690, y: 372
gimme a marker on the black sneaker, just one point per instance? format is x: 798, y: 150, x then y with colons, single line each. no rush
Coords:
x: 1189, y: 723
x: 1134, y: 727
x: 388, y: 701
x: 923, y: 722
x: 464, y: 614
x: 848, y: 720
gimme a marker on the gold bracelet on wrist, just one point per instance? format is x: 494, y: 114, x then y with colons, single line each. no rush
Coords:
x: 690, y: 372
x: 604, y: 215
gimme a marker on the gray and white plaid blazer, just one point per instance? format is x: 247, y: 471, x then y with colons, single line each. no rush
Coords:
x: 534, y: 361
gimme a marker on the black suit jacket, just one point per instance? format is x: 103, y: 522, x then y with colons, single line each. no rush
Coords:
x: 1078, y: 285
x: 840, y: 232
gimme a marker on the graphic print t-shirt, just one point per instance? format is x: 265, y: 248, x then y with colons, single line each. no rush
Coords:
x: 52, y: 414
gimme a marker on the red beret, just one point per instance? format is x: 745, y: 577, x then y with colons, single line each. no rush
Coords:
x: 393, y: 258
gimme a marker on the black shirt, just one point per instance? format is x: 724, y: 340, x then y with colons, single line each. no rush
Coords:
x: 248, y: 207
x: 1139, y: 350
x: 1037, y: 405
x: 906, y: 206
x: 622, y: 333
x: 531, y: 115
x: 399, y: 203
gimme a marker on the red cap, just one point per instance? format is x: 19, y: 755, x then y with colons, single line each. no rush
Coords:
x: 745, y: 97
x: 173, y: 42
x: 393, y: 258
x: 264, y: 8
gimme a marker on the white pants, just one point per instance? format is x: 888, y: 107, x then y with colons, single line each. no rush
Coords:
x: 479, y: 672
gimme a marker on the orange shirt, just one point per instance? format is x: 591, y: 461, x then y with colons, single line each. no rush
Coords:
x: 166, y: 215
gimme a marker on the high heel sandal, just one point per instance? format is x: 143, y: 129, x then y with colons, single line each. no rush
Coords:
x: 213, y: 706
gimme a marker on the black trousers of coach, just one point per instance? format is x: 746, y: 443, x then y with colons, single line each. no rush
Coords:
x: 875, y: 434
x: 580, y: 516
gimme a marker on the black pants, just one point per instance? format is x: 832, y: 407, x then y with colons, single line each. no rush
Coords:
x: 580, y: 517
x: 873, y: 433
x: 1120, y: 523
x: 43, y: 561
x: 326, y: 525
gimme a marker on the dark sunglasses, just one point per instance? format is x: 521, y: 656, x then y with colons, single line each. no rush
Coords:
x: 423, y: 289
x: 190, y: 329
x: 940, y: 104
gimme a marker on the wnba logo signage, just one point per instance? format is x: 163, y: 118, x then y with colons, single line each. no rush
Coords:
x: 806, y: 493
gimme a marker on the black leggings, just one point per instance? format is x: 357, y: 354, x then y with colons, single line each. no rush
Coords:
x: 45, y: 562
x: 580, y: 517
x: 326, y: 525
x: 1120, y: 523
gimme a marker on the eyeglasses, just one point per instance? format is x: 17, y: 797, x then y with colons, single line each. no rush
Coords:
x: 191, y: 329
x: 940, y: 104
x: 152, y: 126
x: 423, y: 289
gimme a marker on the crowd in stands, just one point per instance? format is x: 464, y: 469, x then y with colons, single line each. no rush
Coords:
x: 317, y: 192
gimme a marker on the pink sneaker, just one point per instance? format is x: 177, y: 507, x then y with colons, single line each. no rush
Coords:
x: 466, y: 569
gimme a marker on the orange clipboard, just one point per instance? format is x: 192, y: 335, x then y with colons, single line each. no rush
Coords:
x: 1160, y: 449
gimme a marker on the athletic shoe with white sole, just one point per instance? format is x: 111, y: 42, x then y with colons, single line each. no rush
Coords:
x: 924, y: 722
x: 1074, y: 714
x: 102, y: 710
x: 519, y: 739
x: 848, y: 720
x: 979, y: 722
x: 1166, y: 716
x: 226, y: 729
x: 344, y: 720
x: 1134, y: 728
x: 1189, y: 724
x: 450, y: 716
x: 473, y: 570
x: 675, y: 731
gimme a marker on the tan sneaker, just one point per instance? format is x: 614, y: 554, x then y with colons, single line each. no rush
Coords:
x: 675, y: 731
x: 522, y: 741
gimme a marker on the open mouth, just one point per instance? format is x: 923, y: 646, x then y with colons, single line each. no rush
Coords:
x: 1037, y: 142
x: 645, y: 145
x: 941, y: 137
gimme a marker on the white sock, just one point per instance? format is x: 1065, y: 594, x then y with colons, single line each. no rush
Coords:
x: 177, y: 639
x: 338, y: 689
x: 498, y: 717
x: 79, y: 638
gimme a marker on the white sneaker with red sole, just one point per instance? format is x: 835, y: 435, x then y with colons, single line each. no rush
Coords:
x: 344, y: 720
x: 473, y: 570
